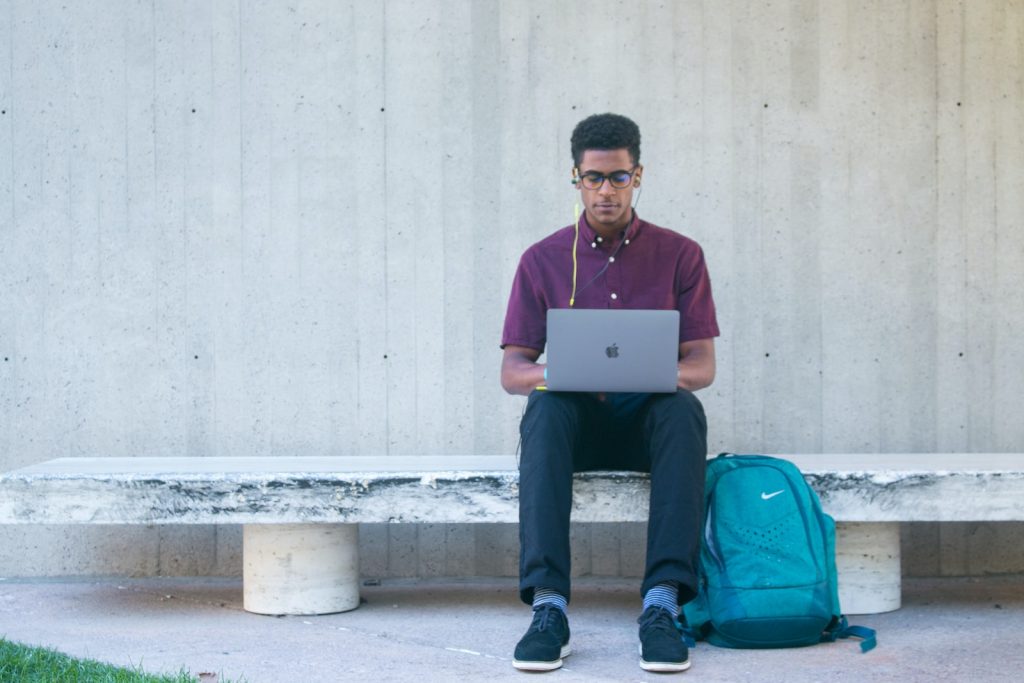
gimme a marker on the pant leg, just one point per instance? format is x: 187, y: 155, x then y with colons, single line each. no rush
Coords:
x: 674, y: 438
x: 554, y: 432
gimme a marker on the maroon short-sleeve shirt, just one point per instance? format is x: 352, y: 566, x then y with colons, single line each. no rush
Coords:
x: 647, y: 267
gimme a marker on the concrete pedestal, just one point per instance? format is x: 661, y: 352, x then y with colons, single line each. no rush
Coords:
x: 300, y: 568
x: 868, y: 564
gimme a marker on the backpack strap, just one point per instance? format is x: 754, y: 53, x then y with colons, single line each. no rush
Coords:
x: 690, y: 636
x: 693, y: 632
x: 841, y: 628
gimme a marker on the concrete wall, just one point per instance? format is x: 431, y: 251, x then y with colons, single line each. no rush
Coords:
x: 268, y: 228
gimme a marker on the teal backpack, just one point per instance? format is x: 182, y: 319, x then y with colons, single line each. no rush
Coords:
x: 768, y: 570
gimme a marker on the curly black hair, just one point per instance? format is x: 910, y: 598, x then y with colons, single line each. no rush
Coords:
x: 605, y: 131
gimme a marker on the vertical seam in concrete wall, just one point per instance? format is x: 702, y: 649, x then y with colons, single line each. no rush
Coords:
x: 241, y: 146
x: 152, y: 132
x: 124, y: 123
x: 10, y: 63
x: 387, y: 222
x: 965, y: 314
x: 936, y: 205
x: 998, y: 22
x: 961, y: 182
x: 759, y: 203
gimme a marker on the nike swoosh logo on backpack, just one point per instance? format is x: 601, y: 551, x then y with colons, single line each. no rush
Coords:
x: 769, y: 496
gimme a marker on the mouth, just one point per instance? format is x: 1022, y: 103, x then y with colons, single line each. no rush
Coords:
x: 605, y: 206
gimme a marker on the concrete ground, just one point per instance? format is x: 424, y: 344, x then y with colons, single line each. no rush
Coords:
x: 948, y: 630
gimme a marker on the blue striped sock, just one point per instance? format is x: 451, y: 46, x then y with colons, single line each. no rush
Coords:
x: 664, y: 595
x: 549, y: 596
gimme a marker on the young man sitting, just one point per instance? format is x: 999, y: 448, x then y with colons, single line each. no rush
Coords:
x: 622, y: 262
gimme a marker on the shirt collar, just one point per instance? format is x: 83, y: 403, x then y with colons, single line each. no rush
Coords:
x: 590, y: 235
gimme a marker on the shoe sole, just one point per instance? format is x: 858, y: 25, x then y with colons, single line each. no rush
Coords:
x: 543, y: 666
x: 662, y: 667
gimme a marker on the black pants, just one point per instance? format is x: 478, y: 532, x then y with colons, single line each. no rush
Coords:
x: 566, y: 432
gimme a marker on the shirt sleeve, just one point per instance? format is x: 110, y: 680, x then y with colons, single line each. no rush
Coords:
x: 697, y: 319
x: 526, y: 316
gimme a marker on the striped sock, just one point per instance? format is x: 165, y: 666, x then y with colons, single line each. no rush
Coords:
x: 664, y: 595
x: 549, y: 596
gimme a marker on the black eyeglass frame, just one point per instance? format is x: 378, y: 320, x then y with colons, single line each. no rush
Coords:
x: 589, y: 178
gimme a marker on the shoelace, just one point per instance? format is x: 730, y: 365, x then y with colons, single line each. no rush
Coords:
x: 543, y: 616
x: 659, y: 620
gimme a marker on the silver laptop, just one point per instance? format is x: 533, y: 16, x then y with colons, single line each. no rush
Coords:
x: 612, y: 350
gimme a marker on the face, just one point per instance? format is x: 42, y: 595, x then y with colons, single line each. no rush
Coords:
x: 609, y: 209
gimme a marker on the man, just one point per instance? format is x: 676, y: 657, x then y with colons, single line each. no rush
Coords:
x: 621, y: 262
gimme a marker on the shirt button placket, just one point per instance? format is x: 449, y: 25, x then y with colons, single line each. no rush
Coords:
x: 614, y: 284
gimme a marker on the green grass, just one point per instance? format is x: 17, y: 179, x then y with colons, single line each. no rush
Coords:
x: 24, y: 664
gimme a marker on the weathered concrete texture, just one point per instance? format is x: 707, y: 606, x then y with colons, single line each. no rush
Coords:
x: 881, y: 487
x: 264, y: 228
x: 948, y: 630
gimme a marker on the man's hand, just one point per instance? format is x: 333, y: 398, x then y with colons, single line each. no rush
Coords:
x: 520, y: 372
x: 696, y: 364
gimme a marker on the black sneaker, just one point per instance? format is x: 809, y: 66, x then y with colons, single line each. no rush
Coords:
x: 661, y: 642
x: 545, y: 643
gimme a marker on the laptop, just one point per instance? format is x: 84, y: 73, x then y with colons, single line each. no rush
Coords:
x: 612, y: 350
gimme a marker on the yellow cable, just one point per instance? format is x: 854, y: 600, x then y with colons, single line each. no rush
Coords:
x: 575, y: 241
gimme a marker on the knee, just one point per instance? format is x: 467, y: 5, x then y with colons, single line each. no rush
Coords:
x: 683, y: 403
x: 681, y: 409
x: 548, y: 406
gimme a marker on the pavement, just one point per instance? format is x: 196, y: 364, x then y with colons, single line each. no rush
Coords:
x: 962, y: 629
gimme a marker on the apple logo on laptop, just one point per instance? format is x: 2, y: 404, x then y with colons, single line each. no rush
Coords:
x: 612, y: 351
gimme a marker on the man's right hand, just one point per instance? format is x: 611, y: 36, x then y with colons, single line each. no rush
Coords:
x: 520, y: 372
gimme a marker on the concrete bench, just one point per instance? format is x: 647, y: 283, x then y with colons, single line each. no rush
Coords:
x: 300, y: 514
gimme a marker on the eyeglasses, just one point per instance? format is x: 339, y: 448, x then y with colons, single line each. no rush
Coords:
x: 592, y: 180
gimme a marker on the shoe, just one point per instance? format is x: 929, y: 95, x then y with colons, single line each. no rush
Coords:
x: 661, y: 642
x: 545, y: 643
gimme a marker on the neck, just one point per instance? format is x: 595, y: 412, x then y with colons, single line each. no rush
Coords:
x: 609, y: 231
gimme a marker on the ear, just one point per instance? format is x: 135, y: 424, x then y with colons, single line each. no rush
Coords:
x: 575, y: 177
x: 636, y: 178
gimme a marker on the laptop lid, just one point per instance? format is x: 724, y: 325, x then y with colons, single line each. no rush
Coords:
x: 612, y: 350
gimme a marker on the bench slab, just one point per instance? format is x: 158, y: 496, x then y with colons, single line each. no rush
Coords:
x: 467, y: 489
